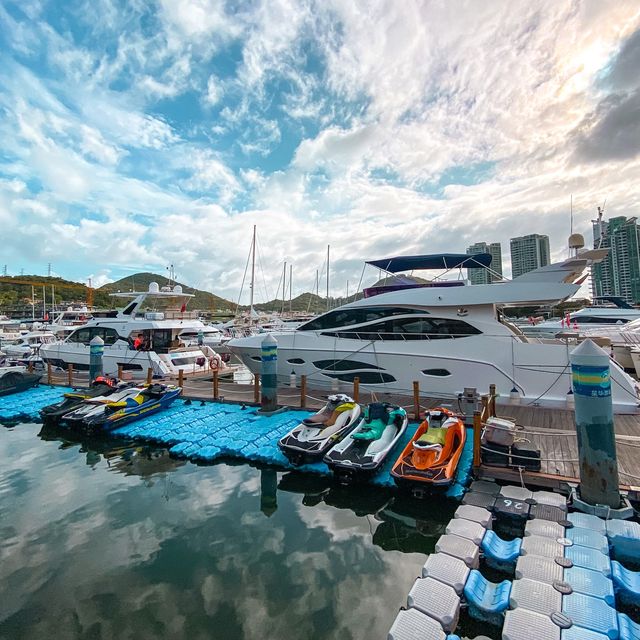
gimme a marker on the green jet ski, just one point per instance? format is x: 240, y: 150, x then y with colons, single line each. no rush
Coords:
x: 365, y: 449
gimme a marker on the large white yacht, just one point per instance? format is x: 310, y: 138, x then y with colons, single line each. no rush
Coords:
x: 447, y: 335
x: 28, y: 344
x: 147, y: 333
x: 607, y: 313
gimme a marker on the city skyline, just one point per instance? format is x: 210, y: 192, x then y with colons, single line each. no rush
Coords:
x: 141, y: 135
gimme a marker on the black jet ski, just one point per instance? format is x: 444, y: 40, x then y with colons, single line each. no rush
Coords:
x: 365, y: 449
x: 104, y: 413
x: 315, y: 435
x: 101, y: 386
x: 14, y: 379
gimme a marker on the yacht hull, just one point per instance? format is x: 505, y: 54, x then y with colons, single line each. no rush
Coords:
x: 541, y: 373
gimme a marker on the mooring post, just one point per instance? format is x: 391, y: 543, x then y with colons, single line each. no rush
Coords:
x: 96, y: 351
x: 120, y: 370
x: 70, y: 375
x: 590, y: 373
x: 269, y: 358
x: 216, y: 390
x: 477, y: 432
x: 416, y: 400
x: 149, y: 375
x: 49, y: 373
x: 180, y: 378
x: 356, y: 389
x: 303, y: 391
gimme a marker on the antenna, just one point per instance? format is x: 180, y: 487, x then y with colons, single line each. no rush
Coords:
x: 571, y: 227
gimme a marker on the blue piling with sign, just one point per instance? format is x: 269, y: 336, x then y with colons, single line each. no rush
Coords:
x: 599, y: 483
x: 269, y: 377
x: 96, y: 351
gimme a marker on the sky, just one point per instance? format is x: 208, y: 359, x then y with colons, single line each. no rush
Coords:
x: 139, y: 134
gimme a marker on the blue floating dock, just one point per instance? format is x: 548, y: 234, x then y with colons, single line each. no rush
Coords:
x: 591, y: 613
x: 624, y: 537
x: 629, y: 630
x: 591, y: 583
x: 207, y: 431
x: 626, y: 583
x: 25, y: 405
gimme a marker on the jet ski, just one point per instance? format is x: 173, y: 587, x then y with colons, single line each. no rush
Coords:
x: 314, y: 436
x: 364, y: 450
x: 14, y: 379
x: 431, y: 457
x: 101, y: 386
x: 104, y: 413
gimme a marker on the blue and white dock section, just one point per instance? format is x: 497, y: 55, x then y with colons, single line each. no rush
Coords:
x: 207, y: 431
x: 565, y: 574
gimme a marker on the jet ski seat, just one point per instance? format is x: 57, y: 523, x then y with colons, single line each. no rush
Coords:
x: 434, y: 445
x: 376, y: 419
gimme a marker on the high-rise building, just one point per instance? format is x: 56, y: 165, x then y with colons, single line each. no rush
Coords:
x: 619, y: 273
x: 484, y: 276
x: 529, y: 253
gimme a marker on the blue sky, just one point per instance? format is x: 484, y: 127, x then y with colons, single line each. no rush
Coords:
x: 141, y: 134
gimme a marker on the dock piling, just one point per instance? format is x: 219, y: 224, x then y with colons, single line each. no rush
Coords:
x: 269, y: 358
x: 590, y: 373
x: 149, y: 375
x: 356, y: 389
x: 49, y: 373
x: 70, y: 375
x: 416, y: 400
x: 180, y: 378
x: 303, y: 391
x: 96, y: 351
x: 477, y: 433
x: 216, y: 388
x: 120, y: 370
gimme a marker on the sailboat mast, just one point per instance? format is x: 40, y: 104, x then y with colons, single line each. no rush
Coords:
x: 328, y: 249
x: 290, y: 287
x: 44, y: 301
x: 33, y: 303
x: 284, y: 285
x: 253, y: 268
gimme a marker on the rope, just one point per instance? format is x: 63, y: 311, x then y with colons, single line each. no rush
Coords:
x: 549, y: 387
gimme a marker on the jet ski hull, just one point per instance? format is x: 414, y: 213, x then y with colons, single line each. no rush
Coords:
x: 308, y: 443
x: 418, y: 470
x: 109, y: 416
x: 354, y: 459
x: 54, y: 412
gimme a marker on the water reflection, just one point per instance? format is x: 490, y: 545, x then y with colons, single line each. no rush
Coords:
x: 111, y: 539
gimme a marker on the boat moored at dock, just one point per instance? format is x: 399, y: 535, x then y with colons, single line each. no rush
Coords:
x: 447, y: 336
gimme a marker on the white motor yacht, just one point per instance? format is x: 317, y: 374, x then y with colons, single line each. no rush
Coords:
x: 28, y: 344
x: 608, y: 313
x: 145, y: 334
x: 447, y: 335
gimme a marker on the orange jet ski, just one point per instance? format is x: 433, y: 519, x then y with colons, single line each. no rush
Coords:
x: 431, y: 457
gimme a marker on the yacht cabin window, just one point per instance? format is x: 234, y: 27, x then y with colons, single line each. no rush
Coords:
x: 86, y: 334
x: 346, y: 317
x: 410, y: 329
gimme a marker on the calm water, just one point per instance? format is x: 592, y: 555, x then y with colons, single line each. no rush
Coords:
x: 108, y: 539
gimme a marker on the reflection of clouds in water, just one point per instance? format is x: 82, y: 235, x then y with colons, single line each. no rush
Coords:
x: 111, y: 557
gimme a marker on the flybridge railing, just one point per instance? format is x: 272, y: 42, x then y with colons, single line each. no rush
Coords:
x: 389, y: 335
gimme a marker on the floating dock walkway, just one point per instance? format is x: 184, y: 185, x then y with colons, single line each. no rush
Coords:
x: 566, y: 575
x: 206, y: 431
